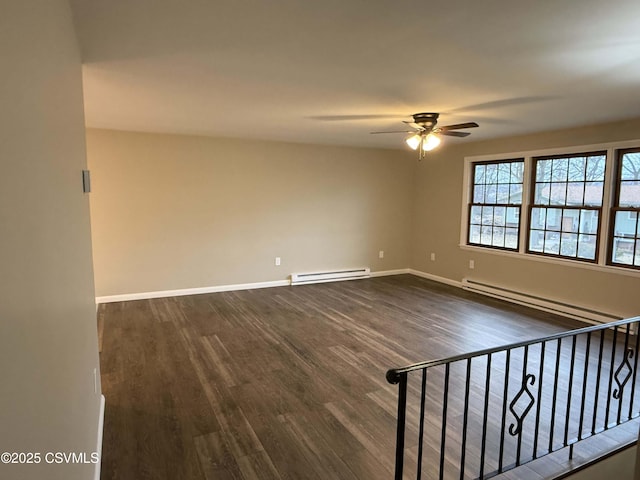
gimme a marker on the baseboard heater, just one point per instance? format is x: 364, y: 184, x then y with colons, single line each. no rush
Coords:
x: 548, y: 305
x: 330, y: 276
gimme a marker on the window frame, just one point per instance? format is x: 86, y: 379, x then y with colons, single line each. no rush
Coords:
x: 602, y: 263
x: 615, y: 208
x: 531, y: 204
x: 471, y: 204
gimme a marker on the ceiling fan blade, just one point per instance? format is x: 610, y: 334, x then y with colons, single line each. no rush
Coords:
x: 332, y: 118
x: 396, y: 131
x: 507, y: 102
x: 413, y: 124
x: 454, y: 134
x: 458, y: 126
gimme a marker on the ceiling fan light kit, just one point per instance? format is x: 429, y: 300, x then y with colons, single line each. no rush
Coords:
x: 424, y: 137
x: 414, y: 141
x: 426, y: 143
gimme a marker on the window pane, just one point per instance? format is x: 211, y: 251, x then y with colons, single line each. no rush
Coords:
x: 595, y: 168
x: 487, y: 215
x: 538, y: 218
x: 637, y: 256
x: 558, y: 193
x: 630, y: 166
x: 625, y: 224
x: 498, y: 216
x: 569, y: 244
x: 474, y: 234
x: 498, y: 237
x: 575, y: 193
x: 570, y: 220
x: 559, y: 170
x: 491, y: 173
x: 554, y: 219
x: 587, y: 247
x: 517, y: 172
x: 485, y: 235
x: 478, y: 194
x: 504, y: 172
x: 536, y: 240
x: 476, y: 215
x: 542, y: 193
x: 491, y: 193
x: 515, y: 194
x: 577, y: 170
x: 511, y: 238
x: 630, y: 194
x: 479, y: 176
x: 512, y: 217
x: 552, y: 242
x: 543, y: 170
x: 593, y: 193
x: 503, y: 193
x: 589, y: 221
x: 623, y: 251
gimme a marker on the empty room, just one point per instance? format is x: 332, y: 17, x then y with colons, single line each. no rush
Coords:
x: 335, y: 240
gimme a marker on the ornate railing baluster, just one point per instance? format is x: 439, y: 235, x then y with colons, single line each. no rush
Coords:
x: 507, y: 366
x: 598, y: 375
x: 635, y: 373
x: 585, y: 378
x: 495, y: 406
x: 536, y: 433
x: 611, y: 367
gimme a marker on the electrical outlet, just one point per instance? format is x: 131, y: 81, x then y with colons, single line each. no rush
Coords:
x: 433, y: 257
x: 277, y: 261
x: 381, y: 254
x: 472, y: 264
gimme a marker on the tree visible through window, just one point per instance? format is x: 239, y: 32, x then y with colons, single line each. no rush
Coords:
x: 625, y: 237
x: 496, y: 199
x: 566, y: 204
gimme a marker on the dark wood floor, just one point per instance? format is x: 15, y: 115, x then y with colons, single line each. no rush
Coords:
x: 283, y: 383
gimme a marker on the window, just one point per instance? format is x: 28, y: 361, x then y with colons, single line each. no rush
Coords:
x: 566, y: 205
x: 496, y: 199
x: 625, y: 233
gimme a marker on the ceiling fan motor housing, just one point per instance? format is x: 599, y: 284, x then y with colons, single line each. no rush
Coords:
x: 426, y: 120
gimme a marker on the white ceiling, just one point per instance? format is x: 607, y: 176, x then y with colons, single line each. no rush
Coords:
x: 289, y: 69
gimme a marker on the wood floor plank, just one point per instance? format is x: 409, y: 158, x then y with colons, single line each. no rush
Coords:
x: 288, y: 383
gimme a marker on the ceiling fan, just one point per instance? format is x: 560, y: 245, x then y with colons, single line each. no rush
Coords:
x: 425, y: 134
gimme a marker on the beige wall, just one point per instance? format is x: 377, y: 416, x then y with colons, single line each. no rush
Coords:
x: 48, y: 341
x: 436, y: 227
x: 176, y: 212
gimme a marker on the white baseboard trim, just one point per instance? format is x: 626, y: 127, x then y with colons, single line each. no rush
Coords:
x: 386, y: 273
x: 190, y: 291
x: 435, y: 278
x: 568, y: 311
x: 96, y: 475
x: 125, y: 297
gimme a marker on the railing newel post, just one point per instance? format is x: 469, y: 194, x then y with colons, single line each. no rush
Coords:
x: 402, y: 418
